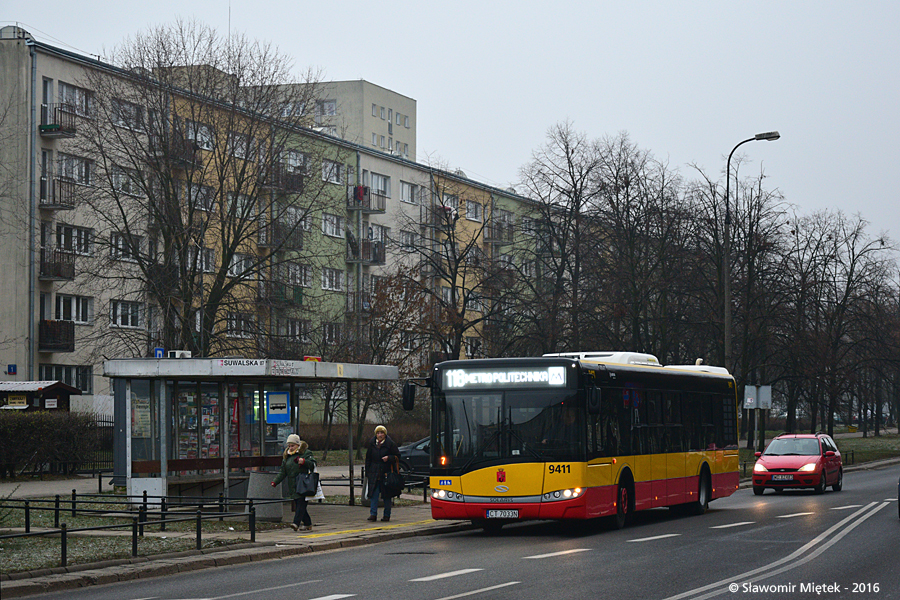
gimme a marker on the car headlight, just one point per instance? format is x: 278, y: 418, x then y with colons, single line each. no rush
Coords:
x: 808, y: 467
x: 759, y: 468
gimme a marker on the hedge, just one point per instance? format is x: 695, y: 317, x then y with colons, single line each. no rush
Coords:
x: 39, y: 437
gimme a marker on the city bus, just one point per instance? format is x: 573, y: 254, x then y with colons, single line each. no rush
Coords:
x: 577, y: 436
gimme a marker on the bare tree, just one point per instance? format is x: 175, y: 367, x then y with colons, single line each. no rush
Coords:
x: 201, y: 188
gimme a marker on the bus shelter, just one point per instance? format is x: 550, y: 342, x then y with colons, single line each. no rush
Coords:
x: 200, y: 426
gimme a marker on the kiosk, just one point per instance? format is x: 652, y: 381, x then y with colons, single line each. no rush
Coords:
x: 200, y: 426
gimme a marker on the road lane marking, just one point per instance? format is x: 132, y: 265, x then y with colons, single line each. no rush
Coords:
x: 655, y: 537
x: 846, y: 507
x: 449, y: 574
x: 481, y: 591
x: 557, y: 553
x: 811, y: 550
x: 794, y: 515
x: 334, y: 597
x: 271, y: 589
x: 733, y: 525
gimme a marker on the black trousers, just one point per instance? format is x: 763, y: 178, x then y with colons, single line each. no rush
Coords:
x: 301, y: 515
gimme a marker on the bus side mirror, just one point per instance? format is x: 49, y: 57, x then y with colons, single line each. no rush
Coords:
x: 409, y: 395
x: 593, y: 401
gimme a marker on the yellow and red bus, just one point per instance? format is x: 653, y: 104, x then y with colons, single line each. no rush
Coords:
x: 578, y: 436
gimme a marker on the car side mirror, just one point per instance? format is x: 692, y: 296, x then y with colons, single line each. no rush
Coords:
x: 426, y: 448
x: 758, y: 454
x: 829, y: 453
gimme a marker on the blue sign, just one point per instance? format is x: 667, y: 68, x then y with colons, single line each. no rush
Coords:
x: 277, y: 407
x: 159, y: 353
x: 10, y: 369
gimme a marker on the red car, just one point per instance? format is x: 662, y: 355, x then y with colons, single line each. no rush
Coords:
x: 799, y: 460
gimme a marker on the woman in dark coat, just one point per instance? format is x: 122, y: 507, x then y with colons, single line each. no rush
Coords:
x: 382, y: 455
x: 296, y: 459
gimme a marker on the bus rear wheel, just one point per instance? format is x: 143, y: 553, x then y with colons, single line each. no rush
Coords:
x: 701, y: 505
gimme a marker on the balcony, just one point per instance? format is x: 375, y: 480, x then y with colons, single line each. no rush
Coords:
x: 284, y: 179
x: 370, y: 252
x: 280, y: 236
x: 176, y: 151
x: 498, y: 233
x: 275, y: 292
x: 359, y: 302
x: 57, y: 121
x: 56, y: 336
x: 57, y: 193
x: 57, y: 265
x: 361, y: 197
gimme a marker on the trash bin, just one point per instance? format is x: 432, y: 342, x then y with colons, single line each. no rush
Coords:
x: 260, y: 487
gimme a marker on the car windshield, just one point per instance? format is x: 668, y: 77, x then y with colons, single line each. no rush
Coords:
x: 512, y: 425
x: 793, y: 447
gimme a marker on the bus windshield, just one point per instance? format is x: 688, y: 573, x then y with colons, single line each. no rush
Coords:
x: 508, y: 426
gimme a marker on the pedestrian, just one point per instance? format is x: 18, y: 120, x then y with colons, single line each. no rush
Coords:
x: 295, y: 461
x: 382, y: 455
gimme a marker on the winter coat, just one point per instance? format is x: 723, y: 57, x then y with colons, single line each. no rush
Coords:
x: 376, y: 468
x: 291, y: 470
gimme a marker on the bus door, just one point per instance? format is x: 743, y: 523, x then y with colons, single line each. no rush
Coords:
x: 673, y: 444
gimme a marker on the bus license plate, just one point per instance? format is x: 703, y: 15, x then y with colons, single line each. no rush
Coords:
x: 503, y: 514
x: 782, y: 477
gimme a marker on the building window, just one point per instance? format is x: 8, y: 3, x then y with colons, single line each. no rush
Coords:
x: 125, y: 247
x: 382, y: 113
x: 332, y: 333
x: 204, y: 259
x: 77, y: 99
x: 332, y: 171
x: 126, y: 181
x: 77, y: 376
x: 240, y: 325
x: 243, y: 146
x: 202, y: 197
x: 409, y: 193
x: 127, y: 114
x: 406, y: 122
x: 200, y: 134
x: 332, y: 279
x: 381, y: 184
x: 332, y: 225
x: 240, y: 265
x: 79, y: 309
x: 381, y: 144
x: 125, y: 314
x: 408, y: 240
x: 74, y: 239
x: 374, y: 110
x: 527, y: 226
x: 473, y: 210
x: 374, y: 139
x: 75, y: 168
x: 451, y: 201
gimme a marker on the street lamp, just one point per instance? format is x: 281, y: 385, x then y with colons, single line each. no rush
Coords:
x: 770, y: 136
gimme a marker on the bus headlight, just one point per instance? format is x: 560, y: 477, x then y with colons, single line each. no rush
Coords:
x: 562, y: 495
x: 447, y: 495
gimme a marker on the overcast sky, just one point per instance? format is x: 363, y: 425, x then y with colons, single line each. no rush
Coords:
x: 686, y: 80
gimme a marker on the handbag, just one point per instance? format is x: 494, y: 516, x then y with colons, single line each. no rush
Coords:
x: 394, y: 482
x: 307, y: 484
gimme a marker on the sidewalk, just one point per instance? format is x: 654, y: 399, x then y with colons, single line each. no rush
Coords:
x: 335, y: 526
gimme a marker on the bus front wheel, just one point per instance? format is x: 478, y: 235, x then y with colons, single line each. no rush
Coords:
x: 623, y: 507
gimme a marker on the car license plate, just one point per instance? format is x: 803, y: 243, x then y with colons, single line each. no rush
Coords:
x: 502, y: 514
x: 782, y: 477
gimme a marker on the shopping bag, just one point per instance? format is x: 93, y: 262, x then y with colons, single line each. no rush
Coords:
x: 307, y: 484
x: 394, y: 483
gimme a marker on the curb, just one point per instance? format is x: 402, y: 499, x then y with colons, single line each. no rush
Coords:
x: 57, y: 579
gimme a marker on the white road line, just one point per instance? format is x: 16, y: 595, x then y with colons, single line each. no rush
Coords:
x: 271, y: 589
x: 481, y: 591
x: 801, y: 556
x: 656, y: 537
x: 334, y: 597
x: 846, y: 507
x: 794, y: 515
x: 733, y: 525
x: 557, y: 553
x: 450, y: 574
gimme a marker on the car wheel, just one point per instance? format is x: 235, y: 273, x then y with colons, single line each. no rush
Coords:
x: 758, y: 490
x: 839, y: 484
x: 820, y: 488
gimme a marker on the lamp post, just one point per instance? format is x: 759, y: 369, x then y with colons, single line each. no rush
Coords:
x: 770, y: 136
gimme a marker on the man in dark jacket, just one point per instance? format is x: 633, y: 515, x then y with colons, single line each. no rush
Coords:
x: 381, y: 457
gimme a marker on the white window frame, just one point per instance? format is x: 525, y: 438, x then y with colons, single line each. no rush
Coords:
x: 75, y: 168
x: 77, y: 240
x: 80, y: 99
x: 332, y: 171
x: 120, y: 249
x: 332, y: 279
x: 240, y: 264
x: 202, y: 197
x: 199, y: 133
x: 381, y: 184
x: 125, y: 314
x: 128, y: 115
x: 474, y: 211
x: 240, y: 325
x: 333, y: 225
x: 78, y: 309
